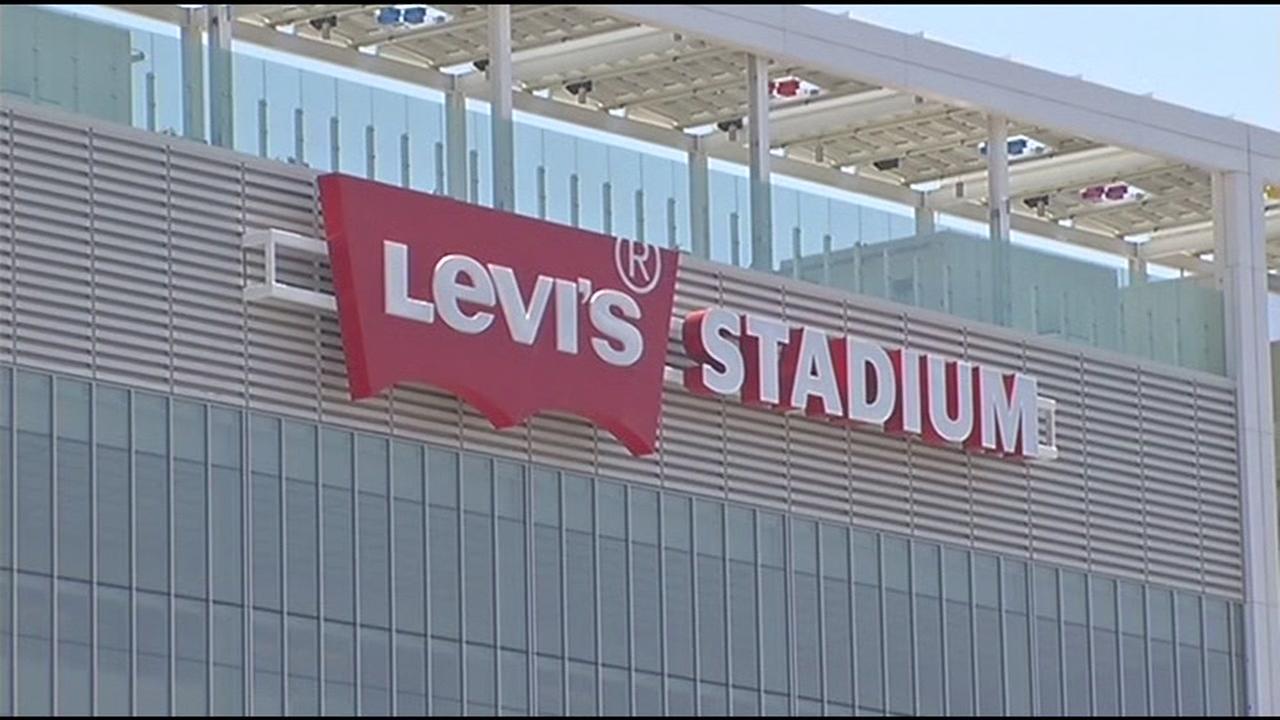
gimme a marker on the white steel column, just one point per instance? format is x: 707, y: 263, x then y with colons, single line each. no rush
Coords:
x: 499, y: 69
x: 926, y: 220
x: 699, y: 200
x: 998, y: 220
x: 192, y: 41
x: 758, y: 134
x: 220, y: 92
x: 1240, y: 240
x: 455, y: 143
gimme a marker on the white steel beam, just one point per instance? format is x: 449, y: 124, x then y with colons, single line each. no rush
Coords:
x: 699, y: 200
x: 758, y: 149
x: 1077, y: 169
x: 846, y: 48
x: 998, y: 215
x: 1241, y: 239
x: 192, y: 43
x: 455, y: 144
x: 500, y: 108
x: 572, y: 58
x: 840, y: 115
x: 221, y: 93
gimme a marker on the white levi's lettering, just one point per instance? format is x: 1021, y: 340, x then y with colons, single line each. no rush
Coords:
x: 395, y: 273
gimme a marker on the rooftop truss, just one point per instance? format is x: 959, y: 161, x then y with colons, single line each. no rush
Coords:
x: 586, y: 60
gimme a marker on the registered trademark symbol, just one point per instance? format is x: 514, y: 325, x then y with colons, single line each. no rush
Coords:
x: 638, y: 265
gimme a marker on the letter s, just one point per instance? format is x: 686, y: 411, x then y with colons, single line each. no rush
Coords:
x: 624, y: 344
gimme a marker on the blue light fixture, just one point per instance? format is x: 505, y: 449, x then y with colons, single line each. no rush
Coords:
x: 389, y: 16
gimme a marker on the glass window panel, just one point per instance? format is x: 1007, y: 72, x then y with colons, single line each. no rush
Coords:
x: 190, y: 485
x: 867, y: 622
x: 646, y: 591
x: 191, y: 657
x: 407, y: 478
x: 339, y: 668
x: 1190, y: 663
x: 580, y: 571
x: 6, y: 490
x: 227, y: 506
x: 268, y: 663
x: 6, y: 637
x: 34, y: 510
x: 482, y: 680
x: 227, y: 693
x: 336, y: 459
x: 337, y: 563
x: 264, y: 447
x: 34, y: 659
x: 1048, y: 641
x: 959, y: 631
x: 72, y: 462
x: 153, y: 654
x: 926, y: 566
x: 151, y: 494
x: 710, y: 593
x: 113, y: 650
x: 897, y: 624
x: 546, y: 564
x: 410, y: 566
x: 549, y: 678
x: 582, y: 688
x: 615, y: 630
x: 374, y: 560
x: 442, y: 477
x: 775, y: 651
x: 443, y: 564
x: 988, y: 634
x: 302, y: 558
x: 1217, y: 657
x: 680, y: 697
x: 446, y: 677
x: 513, y: 682
x: 113, y: 481
x: 713, y: 699
x: 808, y: 617
x: 411, y: 674
x: 678, y: 568
x: 1017, y: 637
x: 648, y: 692
x: 74, y: 642
x: 1075, y: 642
x: 1106, y: 651
x: 375, y: 671
x: 479, y: 578
x: 1133, y: 655
x: 744, y: 598
x: 303, y: 654
x: 513, y: 590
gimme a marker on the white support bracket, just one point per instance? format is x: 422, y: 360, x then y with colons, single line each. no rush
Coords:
x: 271, y: 289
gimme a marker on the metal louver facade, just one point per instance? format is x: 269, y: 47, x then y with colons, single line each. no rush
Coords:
x: 121, y: 262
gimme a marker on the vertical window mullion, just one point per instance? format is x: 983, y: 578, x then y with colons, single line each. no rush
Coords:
x: 321, y: 675
x: 356, y: 617
x: 133, y: 557
x: 282, y: 543
x: 53, y: 539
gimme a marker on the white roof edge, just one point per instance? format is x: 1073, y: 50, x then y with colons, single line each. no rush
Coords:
x: 860, y: 50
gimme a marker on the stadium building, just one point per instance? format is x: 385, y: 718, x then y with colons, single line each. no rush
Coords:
x: 621, y: 359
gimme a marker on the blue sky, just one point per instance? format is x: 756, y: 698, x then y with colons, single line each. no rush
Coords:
x: 1222, y: 59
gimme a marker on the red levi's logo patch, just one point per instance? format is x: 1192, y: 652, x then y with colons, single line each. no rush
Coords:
x: 514, y: 315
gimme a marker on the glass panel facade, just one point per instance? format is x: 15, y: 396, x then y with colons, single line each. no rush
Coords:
x: 349, y: 573
x: 395, y: 133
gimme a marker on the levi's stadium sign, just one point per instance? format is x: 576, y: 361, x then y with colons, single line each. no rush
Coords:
x: 518, y: 316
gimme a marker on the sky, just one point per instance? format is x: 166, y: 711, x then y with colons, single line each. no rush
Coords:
x: 1222, y: 59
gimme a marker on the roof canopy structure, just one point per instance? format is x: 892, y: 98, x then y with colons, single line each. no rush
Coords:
x: 851, y: 105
